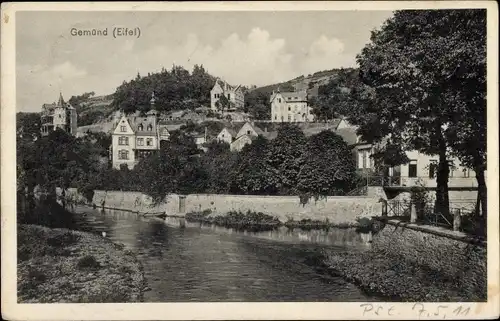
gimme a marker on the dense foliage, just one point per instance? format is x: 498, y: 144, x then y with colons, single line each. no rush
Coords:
x: 174, y: 89
x: 421, y: 86
x: 291, y: 164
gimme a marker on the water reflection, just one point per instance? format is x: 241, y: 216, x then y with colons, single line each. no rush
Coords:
x: 210, y: 263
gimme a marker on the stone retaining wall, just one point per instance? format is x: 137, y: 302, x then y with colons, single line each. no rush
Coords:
x: 452, y: 254
x: 337, y: 209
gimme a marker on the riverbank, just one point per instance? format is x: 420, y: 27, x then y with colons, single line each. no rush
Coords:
x: 66, y: 266
x: 415, y: 263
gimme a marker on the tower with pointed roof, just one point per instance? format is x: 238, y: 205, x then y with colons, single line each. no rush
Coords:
x: 60, y: 115
x: 135, y: 138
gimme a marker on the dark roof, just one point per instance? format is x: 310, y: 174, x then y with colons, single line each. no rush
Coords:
x: 136, y: 122
x: 223, y: 84
x: 293, y: 96
x: 348, y: 134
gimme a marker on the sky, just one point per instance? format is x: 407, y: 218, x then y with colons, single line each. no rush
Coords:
x: 249, y: 48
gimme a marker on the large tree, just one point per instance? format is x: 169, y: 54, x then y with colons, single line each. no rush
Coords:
x: 254, y: 174
x: 220, y: 164
x: 285, y: 155
x: 408, y: 68
x: 327, y: 166
x: 466, y: 94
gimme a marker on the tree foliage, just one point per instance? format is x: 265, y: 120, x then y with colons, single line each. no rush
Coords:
x: 255, y: 174
x: 328, y: 166
x: 422, y: 72
x: 285, y: 155
x: 174, y: 90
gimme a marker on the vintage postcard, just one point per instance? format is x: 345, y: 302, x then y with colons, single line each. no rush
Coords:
x: 250, y: 160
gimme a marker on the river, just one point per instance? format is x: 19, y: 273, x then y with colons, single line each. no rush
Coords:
x: 200, y: 263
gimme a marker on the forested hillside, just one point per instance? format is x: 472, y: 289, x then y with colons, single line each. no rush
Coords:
x: 177, y: 89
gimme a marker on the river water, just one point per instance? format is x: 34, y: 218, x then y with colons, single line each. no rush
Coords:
x: 207, y: 263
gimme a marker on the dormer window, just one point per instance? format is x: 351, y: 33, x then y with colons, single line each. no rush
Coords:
x: 150, y: 127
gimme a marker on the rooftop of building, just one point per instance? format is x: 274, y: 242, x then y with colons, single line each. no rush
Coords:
x: 290, y: 96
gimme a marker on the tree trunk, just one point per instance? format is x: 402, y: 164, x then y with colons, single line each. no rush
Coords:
x: 481, y: 190
x: 442, y: 197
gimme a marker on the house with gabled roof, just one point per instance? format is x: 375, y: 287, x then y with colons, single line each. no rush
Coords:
x: 136, y: 137
x: 60, y: 115
x: 290, y: 107
x: 234, y: 94
x: 238, y: 135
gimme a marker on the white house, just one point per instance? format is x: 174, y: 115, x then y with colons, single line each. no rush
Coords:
x: 421, y: 169
x: 290, y: 107
x: 135, y: 138
x: 234, y: 95
x: 237, y: 136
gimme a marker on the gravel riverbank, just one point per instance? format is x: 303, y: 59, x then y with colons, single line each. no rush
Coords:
x: 61, y: 265
x: 398, y: 279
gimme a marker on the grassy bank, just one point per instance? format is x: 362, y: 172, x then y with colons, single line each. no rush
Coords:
x: 257, y: 221
x: 396, y: 278
x: 61, y: 265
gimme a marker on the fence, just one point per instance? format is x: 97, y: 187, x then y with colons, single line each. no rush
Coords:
x: 379, y: 180
x: 461, y: 216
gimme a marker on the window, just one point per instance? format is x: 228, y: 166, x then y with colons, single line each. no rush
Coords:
x: 150, y: 127
x: 275, y: 117
x: 432, y: 169
x: 248, y: 132
x: 412, y: 168
x: 228, y: 96
x: 289, y: 118
x: 452, y: 167
x: 289, y: 108
x: 123, y: 154
x: 466, y: 172
x: 140, y: 128
x: 140, y: 141
x: 279, y: 100
x: 364, y: 158
x: 123, y: 128
x: 122, y: 140
x: 149, y: 142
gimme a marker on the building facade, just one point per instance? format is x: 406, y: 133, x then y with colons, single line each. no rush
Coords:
x: 59, y: 115
x: 237, y: 136
x: 290, y: 107
x: 420, y: 170
x: 233, y: 94
x: 135, y: 138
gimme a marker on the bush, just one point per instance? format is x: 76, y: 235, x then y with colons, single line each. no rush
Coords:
x: 88, y: 262
x: 365, y: 225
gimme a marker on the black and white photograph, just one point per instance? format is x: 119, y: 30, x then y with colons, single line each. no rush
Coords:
x: 246, y: 154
